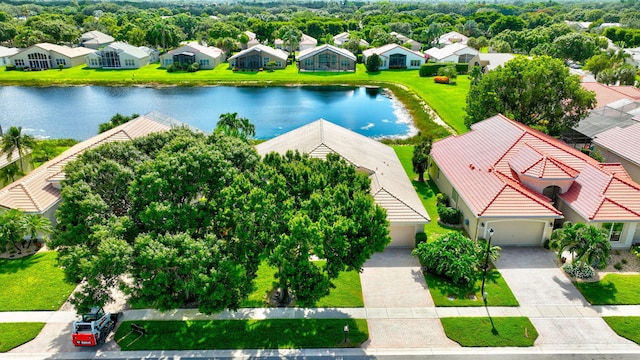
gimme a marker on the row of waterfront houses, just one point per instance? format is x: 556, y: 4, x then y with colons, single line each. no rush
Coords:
x: 98, y: 50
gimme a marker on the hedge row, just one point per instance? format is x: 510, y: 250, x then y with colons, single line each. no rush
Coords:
x: 431, y: 69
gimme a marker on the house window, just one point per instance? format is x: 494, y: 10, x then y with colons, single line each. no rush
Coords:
x: 168, y: 62
x: 345, y: 63
x: 415, y: 63
x: 397, y: 61
x: 204, y: 62
x: 454, y: 196
x: 61, y: 62
x: 110, y: 59
x: 129, y: 62
x: 265, y: 61
x: 19, y: 62
x: 279, y: 63
x: 613, y: 230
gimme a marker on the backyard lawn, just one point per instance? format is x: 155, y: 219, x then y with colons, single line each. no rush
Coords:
x: 427, y: 192
x: 625, y: 326
x: 15, y: 334
x: 33, y: 283
x: 444, y: 293
x: 447, y: 100
x: 613, y: 289
x: 490, y: 332
x: 243, y: 334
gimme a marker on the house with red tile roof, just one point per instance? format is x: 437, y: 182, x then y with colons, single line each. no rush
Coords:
x: 505, y: 176
x: 607, y: 94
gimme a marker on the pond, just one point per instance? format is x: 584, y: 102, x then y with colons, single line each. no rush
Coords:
x: 75, y: 112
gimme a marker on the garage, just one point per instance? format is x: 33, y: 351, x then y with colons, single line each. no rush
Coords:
x: 402, y: 235
x: 517, y: 232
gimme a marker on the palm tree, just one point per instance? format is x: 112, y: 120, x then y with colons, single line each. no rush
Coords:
x: 32, y: 225
x: 594, y: 247
x: 567, y: 238
x: 10, y: 230
x: 232, y: 125
x: 291, y: 35
x: 14, y: 140
x: 9, y: 173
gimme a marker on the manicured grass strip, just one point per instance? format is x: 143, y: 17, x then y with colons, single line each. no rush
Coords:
x: 498, y: 292
x: 427, y: 192
x: 490, y: 332
x: 33, y: 283
x: 15, y: 334
x: 613, y: 289
x: 625, y: 326
x: 348, y: 291
x: 242, y: 334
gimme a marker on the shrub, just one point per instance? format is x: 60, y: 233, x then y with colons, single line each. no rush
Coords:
x: 624, y: 261
x: 10, y: 67
x: 452, y: 256
x: 441, y: 79
x: 449, y: 215
x: 194, y: 67
x: 171, y: 68
x: 618, y: 266
x: 373, y: 63
x: 579, y: 270
x: 442, y: 199
x: 546, y: 244
x: 421, y: 238
x: 431, y: 69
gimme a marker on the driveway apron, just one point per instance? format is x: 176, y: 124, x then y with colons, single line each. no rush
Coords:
x: 393, y: 279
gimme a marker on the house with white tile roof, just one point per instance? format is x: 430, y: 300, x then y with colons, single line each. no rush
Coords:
x: 395, y: 56
x: 207, y: 56
x: 390, y: 186
x: 118, y: 55
x: 326, y: 58
x: 343, y: 37
x: 39, y: 191
x: 452, y: 38
x: 257, y: 57
x: 415, y: 46
x: 47, y: 56
x: 95, y: 39
x: 454, y: 53
x: 306, y: 42
x: 505, y: 176
x: 490, y: 61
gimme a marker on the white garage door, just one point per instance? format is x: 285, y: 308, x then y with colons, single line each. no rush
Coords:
x: 402, y: 236
x: 517, y: 232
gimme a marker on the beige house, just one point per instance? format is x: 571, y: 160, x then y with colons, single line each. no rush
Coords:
x: 258, y: 57
x: 326, y: 58
x: 118, y: 55
x: 46, y: 56
x: 95, y: 39
x: 390, y: 186
x: 39, y: 191
x: 488, y: 62
x: 207, y: 56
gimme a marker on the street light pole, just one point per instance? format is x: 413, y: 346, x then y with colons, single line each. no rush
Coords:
x: 486, y: 265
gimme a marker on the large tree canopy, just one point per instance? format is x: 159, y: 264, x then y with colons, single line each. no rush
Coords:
x: 181, y: 218
x: 538, y: 92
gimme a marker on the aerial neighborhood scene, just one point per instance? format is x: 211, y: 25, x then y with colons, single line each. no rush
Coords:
x: 319, y: 179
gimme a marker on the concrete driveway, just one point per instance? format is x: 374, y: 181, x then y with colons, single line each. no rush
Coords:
x: 535, y: 278
x: 536, y: 281
x: 393, y: 280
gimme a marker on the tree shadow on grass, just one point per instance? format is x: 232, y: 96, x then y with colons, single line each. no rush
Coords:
x: 458, y: 295
x: 12, y: 266
x: 599, y: 292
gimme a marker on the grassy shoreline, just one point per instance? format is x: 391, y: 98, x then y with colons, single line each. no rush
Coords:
x: 407, y: 86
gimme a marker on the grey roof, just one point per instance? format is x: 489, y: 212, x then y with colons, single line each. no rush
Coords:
x: 6, y: 52
x: 194, y: 47
x: 129, y: 49
x: 95, y: 37
x: 390, y: 185
x: 495, y: 59
x: 621, y: 113
x: 262, y: 48
x: 311, y: 52
x: 382, y: 50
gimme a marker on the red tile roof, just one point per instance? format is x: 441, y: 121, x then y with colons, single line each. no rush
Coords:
x: 622, y: 141
x: 483, y: 164
x: 607, y: 94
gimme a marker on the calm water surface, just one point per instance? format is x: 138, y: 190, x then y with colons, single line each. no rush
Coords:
x: 76, y: 112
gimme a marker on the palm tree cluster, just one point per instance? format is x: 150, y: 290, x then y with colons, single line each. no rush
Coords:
x: 16, y: 225
x: 587, y: 244
x: 11, y: 141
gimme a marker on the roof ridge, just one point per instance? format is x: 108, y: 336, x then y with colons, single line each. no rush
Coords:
x: 509, y: 183
x: 28, y: 193
x: 620, y: 205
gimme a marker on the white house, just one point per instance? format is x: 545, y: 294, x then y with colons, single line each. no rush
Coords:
x: 5, y: 55
x: 46, y: 56
x: 390, y: 185
x: 395, y: 56
x: 415, y: 46
x: 95, y: 39
x: 455, y: 53
x: 488, y: 62
x: 118, y: 55
x: 452, y: 38
x: 306, y: 42
x: 257, y: 57
x: 342, y: 38
x: 207, y: 56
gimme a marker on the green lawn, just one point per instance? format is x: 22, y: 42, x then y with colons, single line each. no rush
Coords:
x: 613, y: 289
x: 498, y: 292
x: 447, y: 100
x: 15, y: 334
x: 427, y: 192
x: 243, y: 334
x: 348, y: 291
x: 625, y: 326
x: 490, y: 332
x: 33, y: 283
